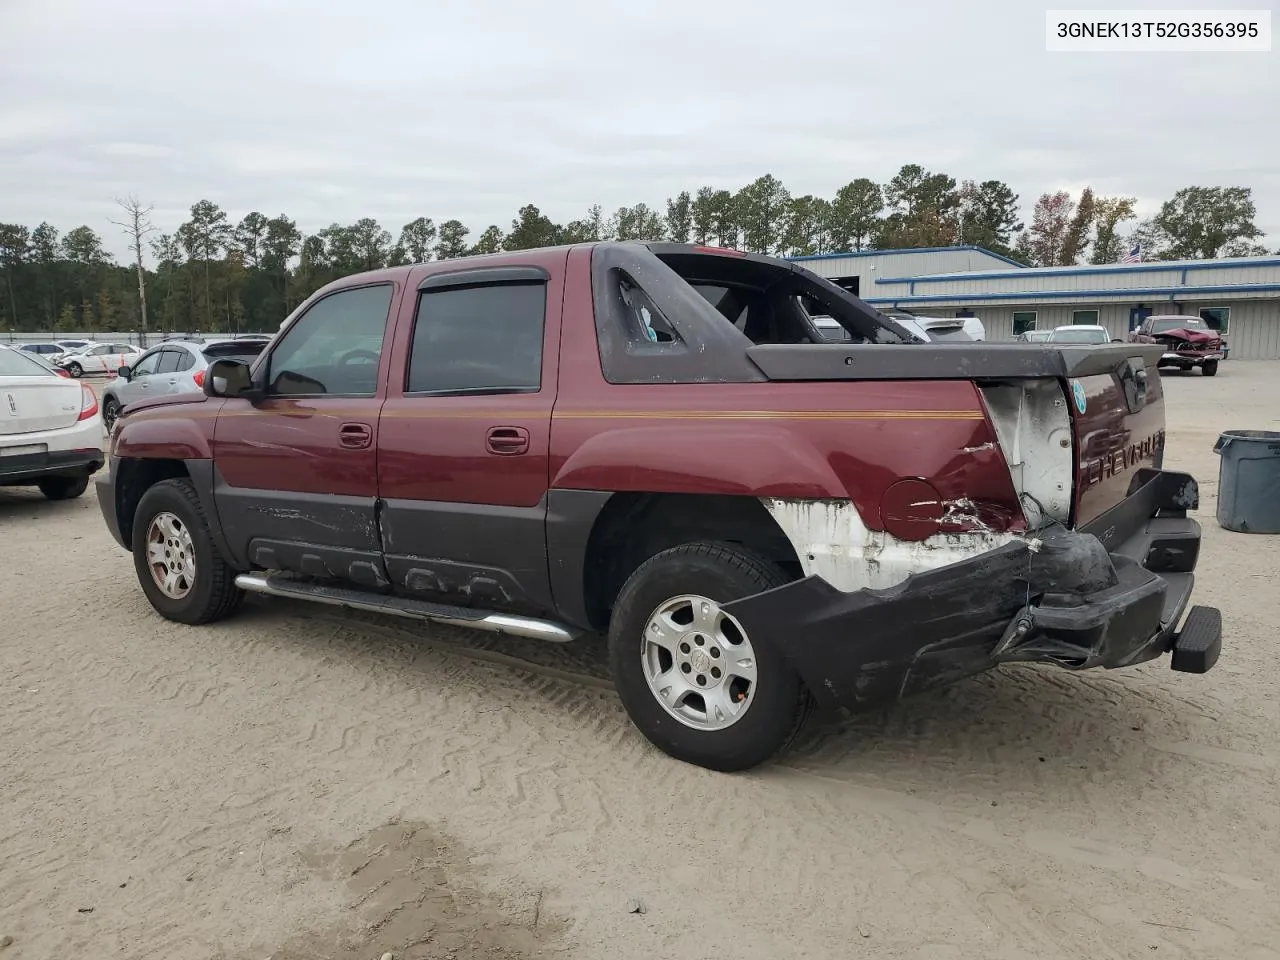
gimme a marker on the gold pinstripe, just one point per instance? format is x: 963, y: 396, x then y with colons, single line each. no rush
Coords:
x: 492, y: 414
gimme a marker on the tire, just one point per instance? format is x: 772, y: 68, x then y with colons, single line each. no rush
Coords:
x: 75, y: 370
x: 776, y: 703
x: 211, y: 593
x: 1210, y: 368
x: 110, y: 410
x: 63, y: 488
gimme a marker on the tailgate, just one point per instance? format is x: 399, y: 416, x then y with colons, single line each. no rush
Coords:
x: 32, y: 404
x: 1118, y: 426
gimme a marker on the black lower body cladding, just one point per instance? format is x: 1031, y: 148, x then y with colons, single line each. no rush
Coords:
x: 1111, y: 595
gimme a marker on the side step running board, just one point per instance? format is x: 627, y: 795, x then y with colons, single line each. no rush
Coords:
x: 283, y: 585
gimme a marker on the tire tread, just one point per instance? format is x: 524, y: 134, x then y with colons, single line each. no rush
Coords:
x: 755, y: 567
x: 224, y: 596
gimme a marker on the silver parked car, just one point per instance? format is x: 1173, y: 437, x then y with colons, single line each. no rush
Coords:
x: 174, y: 366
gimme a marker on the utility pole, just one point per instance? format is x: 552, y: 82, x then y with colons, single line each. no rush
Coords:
x: 136, y: 225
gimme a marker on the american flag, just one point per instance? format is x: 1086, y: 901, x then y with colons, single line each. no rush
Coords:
x: 1134, y: 255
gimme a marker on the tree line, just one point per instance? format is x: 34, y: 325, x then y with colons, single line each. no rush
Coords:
x: 213, y: 274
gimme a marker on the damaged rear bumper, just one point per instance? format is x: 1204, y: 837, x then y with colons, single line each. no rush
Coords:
x: 1109, y: 595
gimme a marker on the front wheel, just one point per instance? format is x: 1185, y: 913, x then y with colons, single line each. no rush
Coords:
x: 689, y: 675
x: 177, y: 563
x: 1210, y: 368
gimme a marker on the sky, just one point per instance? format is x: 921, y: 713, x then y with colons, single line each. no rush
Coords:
x: 396, y: 109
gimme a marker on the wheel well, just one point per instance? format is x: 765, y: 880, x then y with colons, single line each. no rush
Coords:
x: 136, y: 477
x: 633, y: 527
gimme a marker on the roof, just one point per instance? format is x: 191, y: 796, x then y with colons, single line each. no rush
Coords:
x: 1153, y: 266
x: 898, y: 251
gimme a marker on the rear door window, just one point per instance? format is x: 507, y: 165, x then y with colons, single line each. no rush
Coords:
x: 169, y: 360
x: 478, y: 340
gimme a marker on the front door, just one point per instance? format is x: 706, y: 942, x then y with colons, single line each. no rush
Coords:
x: 296, y: 479
x: 141, y: 377
x: 1136, y: 317
x: 463, y: 448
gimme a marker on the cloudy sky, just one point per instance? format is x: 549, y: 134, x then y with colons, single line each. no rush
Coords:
x: 394, y: 109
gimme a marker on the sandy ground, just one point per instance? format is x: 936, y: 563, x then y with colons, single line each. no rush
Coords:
x: 299, y: 783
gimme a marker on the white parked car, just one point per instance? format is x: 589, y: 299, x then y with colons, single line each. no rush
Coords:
x: 940, y: 329
x: 50, y: 428
x: 73, y: 346
x: 98, y: 358
x: 1080, y: 333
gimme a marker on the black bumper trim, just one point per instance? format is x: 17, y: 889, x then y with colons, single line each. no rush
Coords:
x: 1060, y: 597
x: 32, y: 466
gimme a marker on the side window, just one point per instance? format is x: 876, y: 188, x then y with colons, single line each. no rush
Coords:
x: 335, y: 347
x: 646, y: 319
x: 1023, y: 320
x: 481, y: 339
x: 146, y: 365
x: 168, y: 361
x: 1216, y: 318
x: 99, y: 351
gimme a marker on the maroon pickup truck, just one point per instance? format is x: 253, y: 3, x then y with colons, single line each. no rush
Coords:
x: 1187, y: 341
x: 655, y: 444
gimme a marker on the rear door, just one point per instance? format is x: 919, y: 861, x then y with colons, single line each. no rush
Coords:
x: 296, y: 472
x: 464, y: 441
x: 168, y: 379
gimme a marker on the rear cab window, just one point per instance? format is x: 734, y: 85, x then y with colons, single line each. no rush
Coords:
x: 668, y: 313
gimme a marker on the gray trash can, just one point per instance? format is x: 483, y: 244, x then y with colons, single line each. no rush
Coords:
x: 1249, y: 481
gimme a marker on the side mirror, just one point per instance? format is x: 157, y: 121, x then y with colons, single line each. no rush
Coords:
x: 229, y: 378
x: 124, y: 372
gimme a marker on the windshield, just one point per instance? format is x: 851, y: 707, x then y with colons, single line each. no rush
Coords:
x: 1176, y: 323
x: 1080, y: 336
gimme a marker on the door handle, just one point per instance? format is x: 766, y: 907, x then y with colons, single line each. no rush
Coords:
x: 507, y: 441
x: 355, y: 435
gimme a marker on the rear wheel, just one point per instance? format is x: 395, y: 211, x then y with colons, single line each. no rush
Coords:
x: 75, y: 370
x: 690, y: 677
x: 63, y: 488
x: 177, y: 563
x: 1210, y: 368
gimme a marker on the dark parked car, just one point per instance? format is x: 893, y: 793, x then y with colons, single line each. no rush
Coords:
x: 1188, y: 342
